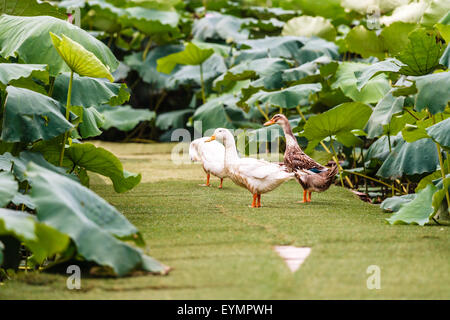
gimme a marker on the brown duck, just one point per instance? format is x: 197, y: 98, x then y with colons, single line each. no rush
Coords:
x: 311, y: 175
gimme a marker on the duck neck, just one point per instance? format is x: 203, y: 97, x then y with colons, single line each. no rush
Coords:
x: 230, y: 151
x: 291, y: 141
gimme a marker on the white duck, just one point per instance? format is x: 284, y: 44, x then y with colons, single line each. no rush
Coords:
x: 211, y: 155
x: 258, y: 176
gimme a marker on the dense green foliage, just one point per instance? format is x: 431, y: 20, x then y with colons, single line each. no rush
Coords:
x: 371, y: 93
x: 44, y: 163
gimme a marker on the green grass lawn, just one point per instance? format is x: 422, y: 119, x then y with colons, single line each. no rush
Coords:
x: 221, y: 249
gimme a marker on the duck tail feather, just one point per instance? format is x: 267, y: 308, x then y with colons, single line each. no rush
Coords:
x: 332, y: 171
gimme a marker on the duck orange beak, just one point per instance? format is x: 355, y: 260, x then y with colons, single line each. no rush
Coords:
x: 211, y: 139
x: 268, y: 123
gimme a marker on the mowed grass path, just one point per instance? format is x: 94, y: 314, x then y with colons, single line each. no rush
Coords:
x: 221, y: 249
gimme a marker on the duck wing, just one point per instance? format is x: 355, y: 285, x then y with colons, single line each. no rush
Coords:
x: 259, y: 169
x: 297, y: 159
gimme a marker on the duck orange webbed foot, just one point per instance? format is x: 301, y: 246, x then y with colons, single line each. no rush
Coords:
x: 305, y: 198
x: 207, y: 184
x: 221, y: 184
x: 256, y: 203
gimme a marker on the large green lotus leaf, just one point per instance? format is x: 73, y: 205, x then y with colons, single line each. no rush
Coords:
x: 410, y: 159
x: 306, y: 70
x: 267, y: 13
x: 30, y: 116
x: 395, y: 36
x: 395, y: 203
x: 365, y: 42
x: 125, y: 118
x: 191, y: 55
x: 299, y: 48
x: 90, y: 92
x: 363, y: 6
x: 382, y: 114
x: 407, y: 12
x: 23, y: 199
x: 91, y: 121
x: 365, y: 74
x: 421, y: 54
x: 103, y: 16
x: 264, y: 67
x: 288, y: 98
x: 339, y: 121
x: 212, y: 67
x: 80, y: 60
x: 18, y: 165
x: 433, y: 176
x: 375, y: 89
x: 433, y: 92
x: 444, y: 31
x: 152, y: 22
x: 42, y: 240
x: 221, y: 49
x: 164, y: 5
x: 315, y: 48
x: 307, y: 26
x: 440, y: 132
x: 272, y: 47
x: 216, y: 26
x: 213, y: 113
x: 11, y: 72
x: 438, y: 197
x: 272, y: 26
x: 173, y: 119
x: 380, y: 148
x: 92, y: 223
x: 445, y: 58
x: 330, y: 9
x: 436, y: 12
x: 103, y: 162
x: 147, y: 68
x: 8, y: 188
x: 29, y: 38
x: 417, y: 131
x: 418, y: 211
x: 30, y: 8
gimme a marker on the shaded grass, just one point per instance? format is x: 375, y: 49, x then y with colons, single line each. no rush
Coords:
x: 220, y: 248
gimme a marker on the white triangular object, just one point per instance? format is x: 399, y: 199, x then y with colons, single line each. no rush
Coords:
x: 293, y: 256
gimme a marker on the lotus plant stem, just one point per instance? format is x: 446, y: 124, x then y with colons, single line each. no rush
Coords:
x: 411, y: 114
x: 52, y: 86
x: 373, y: 179
x: 262, y: 111
x: 147, y: 48
x: 202, y: 83
x: 448, y: 161
x: 110, y: 41
x: 389, y: 142
x: 364, y: 170
x: 66, y: 134
x: 160, y: 100
x: 441, y: 164
x: 401, y: 185
x: 27, y: 186
x: 337, y: 161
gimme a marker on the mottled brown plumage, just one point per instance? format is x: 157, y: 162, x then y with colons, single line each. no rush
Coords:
x: 311, y: 175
